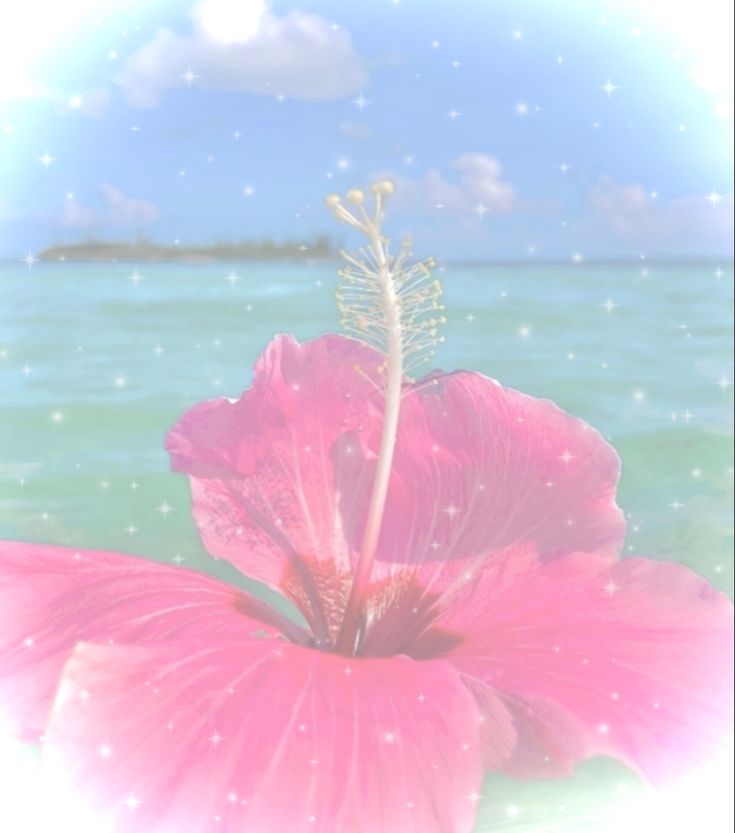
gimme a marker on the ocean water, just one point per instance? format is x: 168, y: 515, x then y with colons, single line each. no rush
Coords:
x: 94, y: 369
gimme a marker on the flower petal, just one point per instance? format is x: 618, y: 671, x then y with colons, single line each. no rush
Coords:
x: 53, y: 597
x: 281, y: 478
x: 246, y: 734
x: 270, y: 492
x: 481, y: 474
x: 631, y: 659
x: 481, y: 468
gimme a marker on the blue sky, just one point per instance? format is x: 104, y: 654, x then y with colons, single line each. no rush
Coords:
x: 492, y: 117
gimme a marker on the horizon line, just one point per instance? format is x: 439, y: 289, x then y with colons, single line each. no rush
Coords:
x: 595, y: 260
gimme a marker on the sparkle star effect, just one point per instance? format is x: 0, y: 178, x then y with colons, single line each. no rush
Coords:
x: 189, y: 77
x: 609, y: 88
x: 132, y: 802
x: 46, y: 159
x: 360, y: 102
x: 610, y: 306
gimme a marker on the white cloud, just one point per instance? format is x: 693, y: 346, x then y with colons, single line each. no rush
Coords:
x: 629, y: 213
x: 118, y: 209
x: 298, y: 55
x: 76, y: 215
x: 122, y: 210
x: 623, y: 207
x: 472, y: 180
x: 481, y: 182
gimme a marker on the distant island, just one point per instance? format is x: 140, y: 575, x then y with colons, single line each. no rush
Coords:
x: 145, y: 250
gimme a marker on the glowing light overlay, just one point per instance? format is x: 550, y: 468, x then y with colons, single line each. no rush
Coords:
x: 367, y: 109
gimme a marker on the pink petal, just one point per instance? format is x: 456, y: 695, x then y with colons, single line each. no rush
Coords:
x: 241, y: 734
x: 481, y: 468
x: 269, y: 492
x: 53, y: 597
x: 483, y: 473
x: 630, y: 659
x: 281, y: 478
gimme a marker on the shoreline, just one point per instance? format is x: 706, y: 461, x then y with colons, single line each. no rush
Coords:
x: 146, y: 252
x: 312, y: 256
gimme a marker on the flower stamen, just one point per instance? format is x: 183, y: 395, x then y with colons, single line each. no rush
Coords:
x: 394, y: 307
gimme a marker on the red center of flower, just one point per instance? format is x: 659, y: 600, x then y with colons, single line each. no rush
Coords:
x: 399, y: 616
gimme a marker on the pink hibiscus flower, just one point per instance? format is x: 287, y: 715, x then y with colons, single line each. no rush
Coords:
x: 463, y: 608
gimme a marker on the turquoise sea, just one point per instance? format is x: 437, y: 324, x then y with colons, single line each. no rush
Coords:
x: 95, y: 367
